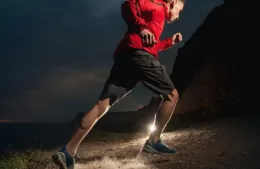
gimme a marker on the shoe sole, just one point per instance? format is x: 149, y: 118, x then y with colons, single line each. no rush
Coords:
x: 149, y: 149
x: 59, y: 160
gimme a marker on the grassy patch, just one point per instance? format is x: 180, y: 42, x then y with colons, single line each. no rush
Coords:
x: 28, y: 159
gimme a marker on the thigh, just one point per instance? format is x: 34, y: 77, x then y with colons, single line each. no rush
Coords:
x: 152, y: 74
x: 121, y: 81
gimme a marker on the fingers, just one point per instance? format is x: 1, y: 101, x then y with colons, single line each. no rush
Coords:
x: 145, y: 39
x: 180, y: 37
x: 154, y: 40
x: 174, y: 37
x: 149, y: 39
x: 177, y: 37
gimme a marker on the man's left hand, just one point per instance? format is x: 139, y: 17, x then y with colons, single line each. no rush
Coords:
x: 176, y: 38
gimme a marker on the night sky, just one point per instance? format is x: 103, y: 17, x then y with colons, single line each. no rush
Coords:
x: 56, y: 55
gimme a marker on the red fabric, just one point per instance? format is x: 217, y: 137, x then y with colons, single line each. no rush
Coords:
x: 139, y: 15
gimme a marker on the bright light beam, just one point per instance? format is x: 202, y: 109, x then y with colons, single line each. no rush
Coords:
x: 152, y: 128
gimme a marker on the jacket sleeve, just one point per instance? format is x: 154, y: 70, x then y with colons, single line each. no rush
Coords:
x: 165, y: 44
x: 131, y: 13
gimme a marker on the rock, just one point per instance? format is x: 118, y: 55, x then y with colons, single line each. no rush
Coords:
x: 220, y: 154
x: 244, y: 153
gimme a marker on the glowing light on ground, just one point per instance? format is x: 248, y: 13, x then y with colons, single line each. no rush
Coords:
x: 152, y: 128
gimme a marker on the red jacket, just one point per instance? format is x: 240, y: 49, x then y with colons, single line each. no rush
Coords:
x: 139, y: 15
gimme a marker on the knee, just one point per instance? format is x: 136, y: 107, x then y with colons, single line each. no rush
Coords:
x: 95, y: 114
x: 102, y: 107
x: 173, y: 96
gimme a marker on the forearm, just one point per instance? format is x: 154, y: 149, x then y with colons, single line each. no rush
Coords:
x: 131, y: 13
x: 165, y: 44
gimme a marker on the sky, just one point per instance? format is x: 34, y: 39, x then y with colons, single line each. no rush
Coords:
x: 56, y: 55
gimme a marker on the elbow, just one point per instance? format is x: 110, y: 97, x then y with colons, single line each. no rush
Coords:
x: 125, y: 12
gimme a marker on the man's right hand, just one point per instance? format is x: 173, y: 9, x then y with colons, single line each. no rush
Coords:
x: 148, y: 38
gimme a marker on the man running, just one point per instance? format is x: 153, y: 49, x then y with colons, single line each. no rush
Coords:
x: 135, y: 60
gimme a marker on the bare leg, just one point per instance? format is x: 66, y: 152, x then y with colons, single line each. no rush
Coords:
x: 88, y: 121
x: 164, y: 115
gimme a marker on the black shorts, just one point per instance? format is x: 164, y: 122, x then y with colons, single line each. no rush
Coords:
x: 131, y: 68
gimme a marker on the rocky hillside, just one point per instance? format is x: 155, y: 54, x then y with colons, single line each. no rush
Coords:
x: 217, y: 68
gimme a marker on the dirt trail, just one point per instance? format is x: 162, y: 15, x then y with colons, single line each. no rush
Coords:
x: 226, y: 144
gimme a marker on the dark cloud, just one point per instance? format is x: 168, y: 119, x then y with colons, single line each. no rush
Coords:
x: 62, y: 87
x: 56, y: 55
